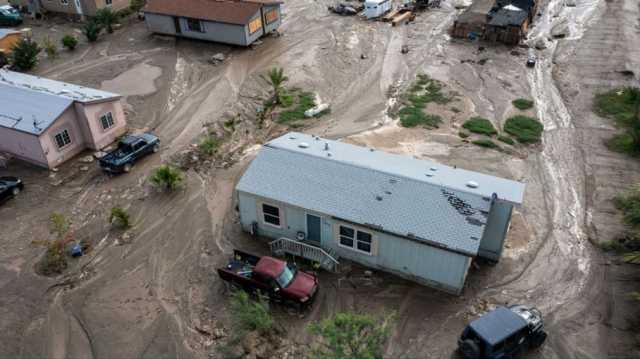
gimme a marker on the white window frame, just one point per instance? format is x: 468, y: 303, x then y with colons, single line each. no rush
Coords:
x: 263, y: 214
x: 355, y: 239
x: 109, y: 118
x: 61, y: 133
x: 64, y: 2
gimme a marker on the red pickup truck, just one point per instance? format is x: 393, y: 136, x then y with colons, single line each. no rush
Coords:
x: 281, y: 281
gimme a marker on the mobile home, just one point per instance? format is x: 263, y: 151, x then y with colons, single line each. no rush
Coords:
x: 333, y: 201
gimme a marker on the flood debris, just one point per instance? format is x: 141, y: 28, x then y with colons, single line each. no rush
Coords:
x: 345, y: 9
x: 217, y: 58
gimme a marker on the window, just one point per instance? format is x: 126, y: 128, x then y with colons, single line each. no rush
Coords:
x: 271, y: 16
x: 108, y: 2
x: 255, y: 25
x: 62, y: 139
x: 355, y: 239
x: 106, y: 121
x: 194, y: 25
x: 64, y: 2
x: 271, y: 215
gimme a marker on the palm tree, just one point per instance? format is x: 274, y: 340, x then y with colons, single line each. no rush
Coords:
x: 276, y: 78
x: 106, y: 18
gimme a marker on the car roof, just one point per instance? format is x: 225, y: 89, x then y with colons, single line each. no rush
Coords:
x: 497, y: 325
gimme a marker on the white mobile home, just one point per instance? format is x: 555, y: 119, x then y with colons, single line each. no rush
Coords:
x: 376, y: 8
x: 420, y: 220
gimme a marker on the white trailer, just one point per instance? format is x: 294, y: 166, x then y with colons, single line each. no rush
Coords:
x: 376, y: 8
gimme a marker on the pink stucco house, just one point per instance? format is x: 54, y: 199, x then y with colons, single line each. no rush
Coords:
x: 47, y: 122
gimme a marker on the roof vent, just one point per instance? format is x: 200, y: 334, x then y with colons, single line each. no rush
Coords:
x: 393, y: 181
x: 433, y: 169
x: 472, y: 184
x: 329, y: 154
x: 371, y: 149
x: 303, y: 145
x: 379, y: 198
x: 429, y: 174
x: 292, y: 137
x: 326, y: 146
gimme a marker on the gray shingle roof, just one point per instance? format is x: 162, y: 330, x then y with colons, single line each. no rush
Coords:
x: 19, y: 108
x: 350, y: 185
x: 56, y: 88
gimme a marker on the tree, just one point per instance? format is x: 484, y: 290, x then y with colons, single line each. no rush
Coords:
x: 24, y: 54
x: 91, y: 30
x: 276, y: 79
x: 166, y: 177
x: 69, y: 41
x: 351, y: 336
x: 120, y: 218
x: 106, y: 18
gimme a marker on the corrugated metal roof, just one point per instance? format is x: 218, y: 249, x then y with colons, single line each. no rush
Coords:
x: 226, y: 11
x: 497, y: 325
x: 403, y: 166
x: 351, y: 190
x: 29, y: 111
x: 55, y: 88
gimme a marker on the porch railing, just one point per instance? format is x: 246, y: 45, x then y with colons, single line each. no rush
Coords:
x: 284, y: 245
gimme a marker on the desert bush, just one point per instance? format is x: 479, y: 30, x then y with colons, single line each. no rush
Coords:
x: 486, y: 143
x: 480, y: 125
x: 209, y: 145
x: 463, y: 134
x: 69, y: 41
x: 349, y: 335
x: 91, y: 30
x: 24, y: 54
x: 107, y: 18
x: 623, y: 105
x: 50, y: 47
x: 303, y: 102
x: 120, y: 218
x: 524, y: 129
x: 166, y: 177
x: 506, y: 139
x: 250, y: 315
x: 522, y: 103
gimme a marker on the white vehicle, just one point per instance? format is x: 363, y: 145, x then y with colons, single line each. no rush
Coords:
x: 376, y: 8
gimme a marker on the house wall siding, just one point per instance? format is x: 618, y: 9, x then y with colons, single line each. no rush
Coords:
x: 274, y: 25
x: 90, y: 7
x: 213, y: 31
x: 419, y: 262
x: 58, y: 6
x: 22, y: 145
x: 495, y: 232
x: 55, y: 156
x: 89, y: 119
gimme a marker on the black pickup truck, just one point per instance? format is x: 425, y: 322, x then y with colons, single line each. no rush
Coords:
x: 10, y: 187
x: 130, y: 149
x: 281, y: 281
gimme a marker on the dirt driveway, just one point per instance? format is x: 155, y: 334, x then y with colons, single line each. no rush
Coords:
x: 154, y: 293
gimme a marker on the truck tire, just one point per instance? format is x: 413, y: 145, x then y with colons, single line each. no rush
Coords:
x: 538, y: 340
x: 470, y: 349
x: 127, y: 168
x: 15, y: 191
x: 156, y: 148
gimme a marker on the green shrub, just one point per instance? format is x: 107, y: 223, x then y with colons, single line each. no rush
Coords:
x: 91, y: 30
x: 166, y: 177
x: 622, y: 143
x: 50, y: 48
x: 305, y: 101
x: 209, y: 145
x: 69, y: 41
x: 522, y: 103
x: 414, y: 116
x: 463, y: 134
x: 485, y: 143
x: 3, y: 59
x: 136, y: 5
x: 629, y: 204
x: 24, y: 54
x: 286, y: 99
x: 506, y: 139
x: 349, y: 335
x: 524, y: 129
x: 107, y: 18
x: 620, y: 104
x: 250, y: 315
x: 119, y: 217
x: 480, y: 125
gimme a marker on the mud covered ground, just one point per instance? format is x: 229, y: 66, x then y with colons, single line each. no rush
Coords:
x: 153, y: 292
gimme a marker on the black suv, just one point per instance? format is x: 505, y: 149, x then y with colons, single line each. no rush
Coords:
x: 10, y: 187
x: 502, y: 333
x: 130, y: 149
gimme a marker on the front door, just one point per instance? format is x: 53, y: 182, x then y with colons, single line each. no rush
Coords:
x: 176, y: 22
x: 313, y: 229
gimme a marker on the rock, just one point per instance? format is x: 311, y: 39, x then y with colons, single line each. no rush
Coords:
x: 84, y: 168
x: 54, y: 169
x: 218, y: 333
x: 217, y: 58
x: 404, y: 49
x: 117, y: 26
x: 363, y: 56
x: 541, y: 44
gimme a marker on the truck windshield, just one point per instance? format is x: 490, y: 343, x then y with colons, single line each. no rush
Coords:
x: 286, y: 277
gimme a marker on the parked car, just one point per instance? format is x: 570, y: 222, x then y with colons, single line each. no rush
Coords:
x: 279, y: 280
x: 130, y: 149
x: 10, y: 187
x: 503, y: 333
x: 531, y: 58
x: 9, y: 16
